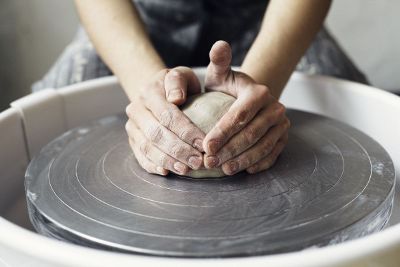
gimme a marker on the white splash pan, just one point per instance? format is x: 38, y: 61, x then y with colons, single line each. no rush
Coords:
x: 31, y: 122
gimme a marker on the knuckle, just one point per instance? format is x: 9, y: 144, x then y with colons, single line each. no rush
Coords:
x: 224, y: 130
x: 175, y: 74
x: 254, y: 168
x: 164, y: 161
x: 183, y: 69
x: 240, y: 117
x: 251, y: 134
x: 133, y: 109
x: 268, y: 118
x: 245, y: 162
x: 266, y: 163
x: 232, y: 151
x: 263, y: 92
x: 151, y: 89
x: 266, y: 146
x: 176, y: 150
x: 155, y: 133
x: 166, y: 117
x: 280, y: 109
x: 185, y: 134
x: 144, y: 148
x: 228, y: 152
x: 259, y: 155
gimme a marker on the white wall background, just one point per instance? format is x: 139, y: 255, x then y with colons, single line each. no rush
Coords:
x: 44, y: 27
x: 32, y: 35
x: 369, y: 31
x: 34, y: 32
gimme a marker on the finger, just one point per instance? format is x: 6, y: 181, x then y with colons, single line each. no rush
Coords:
x: 172, y: 118
x: 163, y: 138
x: 179, y: 82
x: 220, y: 61
x: 260, y: 150
x: 152, y: 153
x: 268, y: 161
x: 145, y: 163
x: 249, y: 135
x: 238, y: 116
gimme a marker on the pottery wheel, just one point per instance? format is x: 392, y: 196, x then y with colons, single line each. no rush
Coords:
x: 332, y: 183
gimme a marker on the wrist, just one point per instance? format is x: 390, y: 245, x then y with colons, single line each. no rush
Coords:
x: 134, y: 81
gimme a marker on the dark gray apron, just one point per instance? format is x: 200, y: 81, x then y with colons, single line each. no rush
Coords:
x: 183, y: 33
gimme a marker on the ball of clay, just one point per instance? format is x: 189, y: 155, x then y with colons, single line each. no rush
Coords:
x: 205, y: 110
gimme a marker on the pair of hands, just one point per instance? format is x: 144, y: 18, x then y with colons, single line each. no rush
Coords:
x: 250, y: 136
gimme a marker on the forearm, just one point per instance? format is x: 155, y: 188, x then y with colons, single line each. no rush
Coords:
x: 288, y: 28
x: 120, y: 38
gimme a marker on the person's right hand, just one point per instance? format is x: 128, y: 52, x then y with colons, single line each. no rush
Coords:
x: 162, y: 138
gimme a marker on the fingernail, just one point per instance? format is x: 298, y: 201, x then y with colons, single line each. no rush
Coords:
x: 180, y: 167
x: 198, y: 144
x: 175, y: 94
x: 213, y: 146
x: 212, y: 161
x: 232, y: 167
x: 195, y: 162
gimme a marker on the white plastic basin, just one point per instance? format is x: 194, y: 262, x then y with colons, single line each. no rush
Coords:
x: 33, y: 121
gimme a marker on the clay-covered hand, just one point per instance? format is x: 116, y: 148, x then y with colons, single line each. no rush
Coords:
x: 254, y: 131
x: 162, y: 138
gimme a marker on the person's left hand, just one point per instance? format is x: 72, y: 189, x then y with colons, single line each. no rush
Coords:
x: 254, y: 131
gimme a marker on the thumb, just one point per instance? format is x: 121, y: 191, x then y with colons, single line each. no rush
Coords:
x: 220, y: 60
x: 179, y: 82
